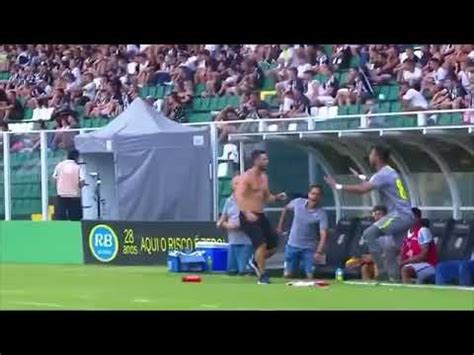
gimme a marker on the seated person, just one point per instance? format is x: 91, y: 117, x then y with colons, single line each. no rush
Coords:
x: 240, y: 246
x: 418, y: 256
x: 309, y: 221
x: 451, y: 96
x: 412, y: 99
x: 367, y: 266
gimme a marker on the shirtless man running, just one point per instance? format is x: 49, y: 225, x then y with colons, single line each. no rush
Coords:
x: 251, y: 194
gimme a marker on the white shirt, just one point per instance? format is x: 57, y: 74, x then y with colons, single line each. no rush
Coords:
x: 302, y: 68
x: 412, y: 76
x: 311, y: 89
x: 464, y: 79
x: 88, y: 90
x: 250, y: 47
x: 439, y: 75
x: 132, y: 68
x: 415, y: 98
x: 76, y: 72
x: 68, y: 174
x: 404, y: 56
x: 132, y: 48
x: 287, y: 104
x: 143, y: 66
x: 211, y: 47
x: 191, y: 63
x: 287, y: 56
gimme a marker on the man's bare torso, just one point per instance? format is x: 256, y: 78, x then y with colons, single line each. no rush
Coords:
x: 255, y: 190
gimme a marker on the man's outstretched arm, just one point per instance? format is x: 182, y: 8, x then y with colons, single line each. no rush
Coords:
x: 361, y: 188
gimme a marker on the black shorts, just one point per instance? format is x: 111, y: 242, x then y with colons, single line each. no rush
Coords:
x: 260, y: 232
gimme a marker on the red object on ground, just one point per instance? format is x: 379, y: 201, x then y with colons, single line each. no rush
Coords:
x: 321, y: 283
x: 192, y: 278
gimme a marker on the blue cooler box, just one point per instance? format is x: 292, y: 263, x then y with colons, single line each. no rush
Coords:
x: 186, y: 262
x: 217, y: 252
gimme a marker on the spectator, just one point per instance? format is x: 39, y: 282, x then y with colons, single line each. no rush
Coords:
x: 327, y: 91
x: 256, y: 107
x: 412, y: 99
x: 60, y: 100
x: 303, y: 63
x: 371, y: 108
x: 240, y: 246
x: 3, y: 105
x: 321, y: 57
x: 309, y: 221
x: 293, y: 82
x: 14, y: 110
x: 348, y: 92
x: 103, y: 105
x: 464, y: 74
x: 418, y: 256
x: 451, y: 96
x: 385, y: 72
x: 367, y: 266
x: 63, y: 138
x: 410, y: 55
x: 89, y: 88
x: 301, y: 104
x: 410, y: 73
x: 175, y: 109
x: 70, y: 179
x: 424, y: 55
x: 439, y: 73
x: 186, y: 92
x: 229, y: 84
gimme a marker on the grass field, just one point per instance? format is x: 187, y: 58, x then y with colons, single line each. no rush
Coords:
x: 87, y: 287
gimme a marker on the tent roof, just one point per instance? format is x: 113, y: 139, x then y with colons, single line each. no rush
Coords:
x: 138, y: 120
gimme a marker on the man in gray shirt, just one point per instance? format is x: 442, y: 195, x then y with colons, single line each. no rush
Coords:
x: 240, y: 246
x: 399, y: 218
x: 309, y: 222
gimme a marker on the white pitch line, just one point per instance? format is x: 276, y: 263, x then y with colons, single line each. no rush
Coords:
x: 462, y: 288
x: 14, y: 292
x: 141, y: 300
x: 209, y: 305
x: 40, y: 304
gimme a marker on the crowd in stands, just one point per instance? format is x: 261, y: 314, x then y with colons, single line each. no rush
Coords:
x: 100, y: 81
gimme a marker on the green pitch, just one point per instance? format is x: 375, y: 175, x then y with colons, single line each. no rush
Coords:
x: 87, y: 287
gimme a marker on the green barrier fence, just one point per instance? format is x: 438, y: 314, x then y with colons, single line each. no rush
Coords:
x: 41, y: 242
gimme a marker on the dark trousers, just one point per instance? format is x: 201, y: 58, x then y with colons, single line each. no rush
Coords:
x: 68, y: 209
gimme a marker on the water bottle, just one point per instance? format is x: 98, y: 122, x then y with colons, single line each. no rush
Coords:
x: 339, y: 275
x: 209, y: 263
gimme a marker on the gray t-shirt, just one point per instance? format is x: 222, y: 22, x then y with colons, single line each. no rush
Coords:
x: 393, y: 192
x: 231, y: 210
x: 306, y: 225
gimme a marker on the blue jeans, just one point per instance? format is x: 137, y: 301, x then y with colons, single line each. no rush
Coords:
x: 460, y: 271
x: 238, y: 258
x: 297, y: 259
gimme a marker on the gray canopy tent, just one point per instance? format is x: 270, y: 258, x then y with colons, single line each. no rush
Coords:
x: 150, y: 168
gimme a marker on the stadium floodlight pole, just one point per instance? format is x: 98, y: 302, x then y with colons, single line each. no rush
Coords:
x: 6, y: 174
x: 44, y: 175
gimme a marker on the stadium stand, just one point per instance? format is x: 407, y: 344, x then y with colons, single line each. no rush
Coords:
x: 88, y: 85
